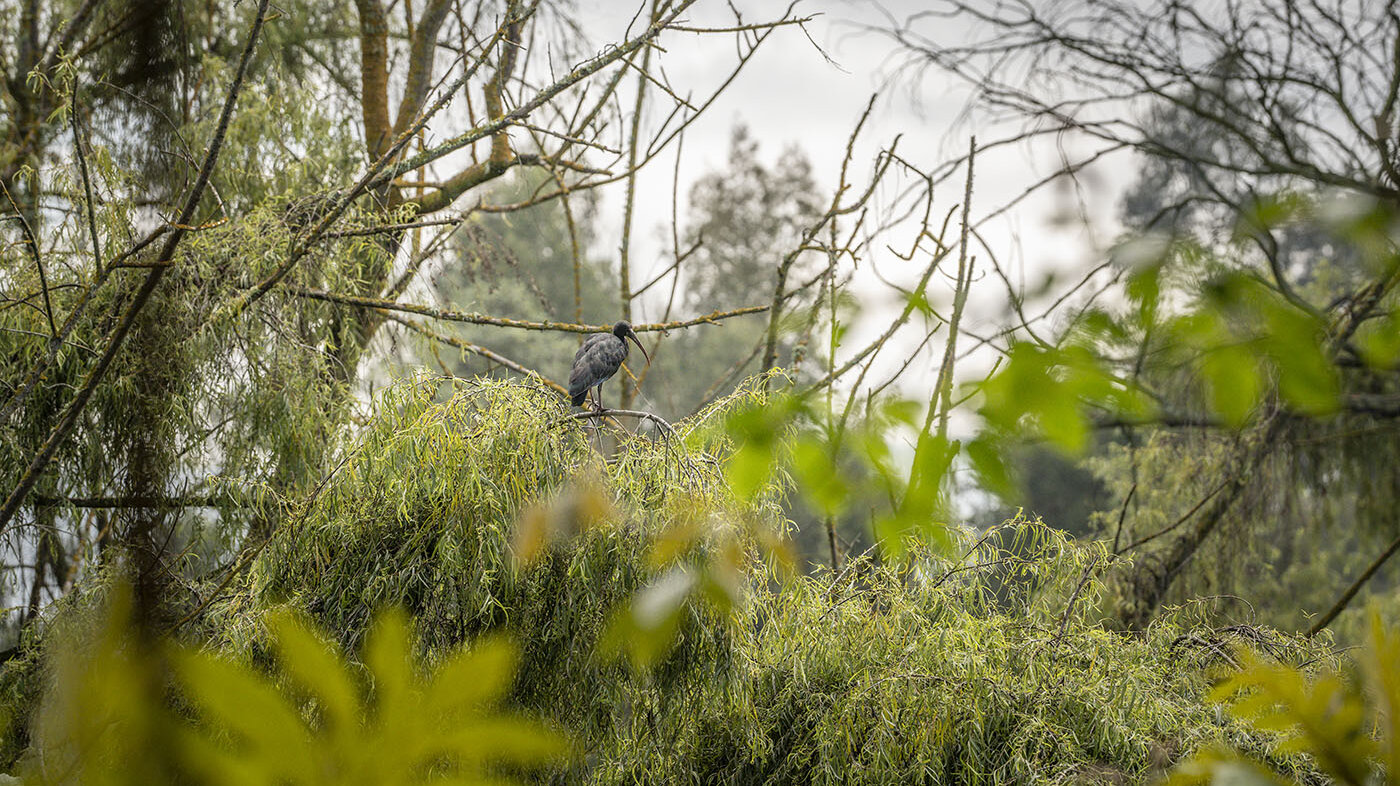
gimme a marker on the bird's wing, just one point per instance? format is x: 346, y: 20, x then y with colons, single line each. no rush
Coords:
x: 591, y: 342
x: 611, y: 354
x: 579, y: 375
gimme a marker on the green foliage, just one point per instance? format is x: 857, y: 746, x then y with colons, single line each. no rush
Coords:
x: 1379, y: 340
x: 649, y: 628
x: 1047, y: 391
x: 194, y: 406
x: 1243, y: 340
x: 1284, y: 556
x: 492, y: 512
x: 1348, y: 724
x: 98, y: 722
x: 1237, y: 335
x: 1245, y: 333
x: 839, y: 468
x: 323, y: 719
x: 959, y: 670
x: 1209, y: 339
x: 412, y: 730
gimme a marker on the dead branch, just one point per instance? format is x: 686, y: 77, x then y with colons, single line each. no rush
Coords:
x: 521, y: 324
x: 631, y: 413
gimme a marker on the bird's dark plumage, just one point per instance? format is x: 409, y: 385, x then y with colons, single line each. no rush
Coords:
x: 598, y: 359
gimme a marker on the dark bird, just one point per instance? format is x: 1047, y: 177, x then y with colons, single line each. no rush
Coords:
x: 598, y: 359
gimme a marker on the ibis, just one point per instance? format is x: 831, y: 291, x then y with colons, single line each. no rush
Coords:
x: 598, y: 359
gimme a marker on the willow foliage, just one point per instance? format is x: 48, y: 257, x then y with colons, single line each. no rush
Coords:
x: 438, y: 508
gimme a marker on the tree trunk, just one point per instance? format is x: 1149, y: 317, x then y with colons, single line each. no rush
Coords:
x: 1153, y: 575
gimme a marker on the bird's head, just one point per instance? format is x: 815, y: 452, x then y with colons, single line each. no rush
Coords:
x: 624, y: 331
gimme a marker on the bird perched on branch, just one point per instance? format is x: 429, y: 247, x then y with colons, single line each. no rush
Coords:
x: 597, y: 360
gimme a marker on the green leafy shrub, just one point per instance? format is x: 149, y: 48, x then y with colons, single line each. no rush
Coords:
x: 492, y: 513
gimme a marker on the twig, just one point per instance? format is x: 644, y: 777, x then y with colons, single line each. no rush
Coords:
x: 1355, y: 587
x: 943, y: 388
x: 32, y: 243
x: 1184, y: 518
x: 745, y: 28
x: 969, y: 552
x: 1122, y: 516
x: 392, y: 228
x: 1090, y: 570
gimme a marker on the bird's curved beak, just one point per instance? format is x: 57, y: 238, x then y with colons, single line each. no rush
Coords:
x: 632, y: 334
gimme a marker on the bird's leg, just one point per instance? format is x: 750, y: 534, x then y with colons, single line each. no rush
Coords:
x: 598, y: 422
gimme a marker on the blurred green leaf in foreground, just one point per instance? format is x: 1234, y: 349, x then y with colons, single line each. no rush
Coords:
x: 1348, y: 723
x: 123, y: 710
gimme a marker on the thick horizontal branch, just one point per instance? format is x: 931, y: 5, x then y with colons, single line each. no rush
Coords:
x: 520, y: 324
x: 631, y: 413
x: 1385, y: 405
x: 1162, y: 419
x: 447, y: 191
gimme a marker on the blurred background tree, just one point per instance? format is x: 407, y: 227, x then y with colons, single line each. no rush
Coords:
x: 742, y: 219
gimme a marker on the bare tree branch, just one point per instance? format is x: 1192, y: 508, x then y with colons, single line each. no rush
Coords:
x: 522, y: 324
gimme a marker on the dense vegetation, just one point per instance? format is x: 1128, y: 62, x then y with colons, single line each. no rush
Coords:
x: 953, y: 668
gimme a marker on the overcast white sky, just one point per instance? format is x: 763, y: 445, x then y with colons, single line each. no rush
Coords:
x: 791, y: 95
